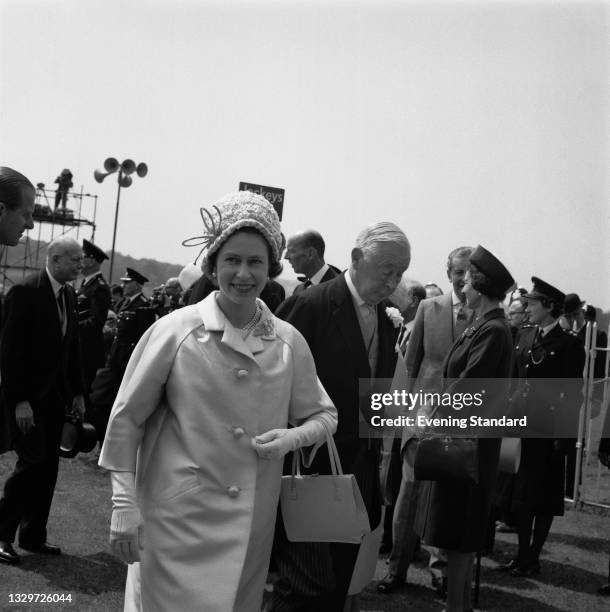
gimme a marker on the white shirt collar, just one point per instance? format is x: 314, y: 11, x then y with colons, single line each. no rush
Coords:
x: 317, y: 277
x: 358, y: 301
x: 54, y: 284
x: 455, y: 300
x: 86, y: 279
x: 545, y: 330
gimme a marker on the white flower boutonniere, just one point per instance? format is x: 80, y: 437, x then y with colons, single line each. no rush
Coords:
x: 394, y: 316
x: 265, y: 328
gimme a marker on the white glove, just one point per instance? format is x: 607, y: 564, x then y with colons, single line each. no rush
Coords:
x: 274, y: 444
x: 126, y: 520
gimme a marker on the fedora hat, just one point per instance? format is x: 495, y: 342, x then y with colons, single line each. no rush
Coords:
x: 76, y: 437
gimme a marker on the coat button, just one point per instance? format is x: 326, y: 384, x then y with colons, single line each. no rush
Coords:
x: 233, y: 491
x: 238, y: 432
x: 242, y: 373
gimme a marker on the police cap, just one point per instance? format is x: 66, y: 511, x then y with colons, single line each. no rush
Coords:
x: 90, y: 250
x: 541, y: 289
x: 132, y: 275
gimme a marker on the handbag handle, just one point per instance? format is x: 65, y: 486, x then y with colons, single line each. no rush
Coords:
x: 333, y: 456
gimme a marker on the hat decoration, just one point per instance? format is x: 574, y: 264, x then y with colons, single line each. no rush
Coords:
x: 213, y: 230
x: 233, y: 212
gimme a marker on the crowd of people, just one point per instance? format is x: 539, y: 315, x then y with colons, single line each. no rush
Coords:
x: 200, y: 394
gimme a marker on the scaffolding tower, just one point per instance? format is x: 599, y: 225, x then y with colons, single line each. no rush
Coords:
x: 17, y: 262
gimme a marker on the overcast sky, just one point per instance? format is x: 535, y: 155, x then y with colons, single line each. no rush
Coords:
x: 463, y: 122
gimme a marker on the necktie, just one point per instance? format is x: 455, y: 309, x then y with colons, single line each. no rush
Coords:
x: 305, y: 281
x: 61, y: 303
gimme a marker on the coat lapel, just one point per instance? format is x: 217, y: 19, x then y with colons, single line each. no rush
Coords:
x: 49, y: 296
x: 214, y: 320
x: 345, y: 318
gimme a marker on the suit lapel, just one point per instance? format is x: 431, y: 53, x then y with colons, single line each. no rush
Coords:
x: 49, y: 296
x: 387, y: 335
x: 345, y: 318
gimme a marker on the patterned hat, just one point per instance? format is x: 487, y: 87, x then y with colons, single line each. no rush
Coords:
x: 231, y: 213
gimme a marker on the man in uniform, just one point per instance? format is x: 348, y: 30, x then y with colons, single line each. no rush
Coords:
x: 93, y: 303
x: 135, y: 315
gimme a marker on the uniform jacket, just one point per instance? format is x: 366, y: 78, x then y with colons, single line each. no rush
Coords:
x: 326, y: 317
x: 453, y: 515
x: 37, y: 363
x: 193, y: 396
x: 539, y: 484
x: 93, y: 304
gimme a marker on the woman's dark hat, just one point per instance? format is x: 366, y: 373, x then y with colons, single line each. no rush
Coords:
x: 493, y: 268
x: 542, y: 289
x: 76, y: 437
x: 132, y: 275
x: 91, y: 250
x: 572, y: 303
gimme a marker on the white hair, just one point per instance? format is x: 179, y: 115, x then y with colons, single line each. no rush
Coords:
x: 61, y: 245
x: 383, y: 232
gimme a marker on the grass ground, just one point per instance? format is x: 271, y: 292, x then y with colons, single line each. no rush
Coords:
x: 574, y: 563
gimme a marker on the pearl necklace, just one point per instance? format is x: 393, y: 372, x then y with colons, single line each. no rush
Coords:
x: 251, y: 324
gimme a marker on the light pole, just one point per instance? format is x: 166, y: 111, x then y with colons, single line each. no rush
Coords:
x: 128, y: 167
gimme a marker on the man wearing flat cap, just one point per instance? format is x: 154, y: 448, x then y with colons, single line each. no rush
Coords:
x: 93, y: 304
x: 134, y: 316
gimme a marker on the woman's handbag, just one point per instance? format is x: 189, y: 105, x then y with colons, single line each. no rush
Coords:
x: 323, y: 508
x: 442, y: 457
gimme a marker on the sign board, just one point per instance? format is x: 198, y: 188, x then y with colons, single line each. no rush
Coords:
x: 274, y: 195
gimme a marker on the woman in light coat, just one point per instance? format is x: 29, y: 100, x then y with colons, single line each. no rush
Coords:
x: 201, y: 420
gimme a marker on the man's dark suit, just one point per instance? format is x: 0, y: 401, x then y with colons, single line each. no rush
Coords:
x: 41, y: 366
x: 326, y: 317
x: 93, y: 304
x: 328, y: 275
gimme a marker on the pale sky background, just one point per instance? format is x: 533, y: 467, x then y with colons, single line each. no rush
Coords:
x: 462, y: 122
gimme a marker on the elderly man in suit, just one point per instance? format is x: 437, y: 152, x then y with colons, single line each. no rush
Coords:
x: 438, y: 323
x: 305, y: 252
x: 16, y: 205
x: 41, y: 381
x: 351, y: 338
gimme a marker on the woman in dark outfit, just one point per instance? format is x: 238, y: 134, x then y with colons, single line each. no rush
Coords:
x: 454, y: 514
x: 543, y: 352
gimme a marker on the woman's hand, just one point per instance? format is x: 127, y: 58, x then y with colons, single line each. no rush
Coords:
x: 125, y: 527
x: 274, y: 444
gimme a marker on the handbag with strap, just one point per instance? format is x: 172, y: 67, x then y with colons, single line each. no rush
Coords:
x: 323, y: 508
x: 444, y: 457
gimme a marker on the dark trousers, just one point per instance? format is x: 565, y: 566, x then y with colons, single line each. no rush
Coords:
x: 313, y: 576
x: 28, y: 492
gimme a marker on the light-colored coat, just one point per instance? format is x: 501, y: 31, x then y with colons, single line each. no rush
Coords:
x: 193, y: 396
x: 432, y: 336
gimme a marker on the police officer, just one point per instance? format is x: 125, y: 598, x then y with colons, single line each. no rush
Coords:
x: 548, y: 363
x: 93, y: 303
x: 134, y: 316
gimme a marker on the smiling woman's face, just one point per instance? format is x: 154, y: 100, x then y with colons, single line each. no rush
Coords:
x: 242, y: 267
x: 473, y: 297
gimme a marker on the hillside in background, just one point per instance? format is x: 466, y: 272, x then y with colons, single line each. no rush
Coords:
x: 29, y: 256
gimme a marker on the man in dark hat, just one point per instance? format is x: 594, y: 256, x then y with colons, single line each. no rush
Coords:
x: 93, y: 304
x: 134, y: 316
